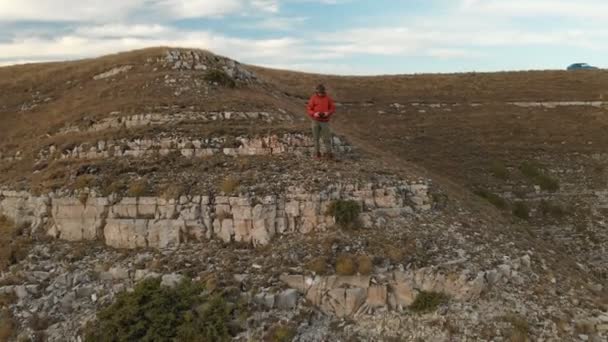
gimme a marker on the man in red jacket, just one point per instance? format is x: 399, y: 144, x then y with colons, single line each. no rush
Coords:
x: 320, y: 109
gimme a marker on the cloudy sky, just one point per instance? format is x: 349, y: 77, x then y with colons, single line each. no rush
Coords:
x: 327, y: 36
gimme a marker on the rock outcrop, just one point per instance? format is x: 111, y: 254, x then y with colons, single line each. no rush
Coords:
x: 191, y: 148
x: 115, y: 121
x: 158, y: 222
x: 346, y: 296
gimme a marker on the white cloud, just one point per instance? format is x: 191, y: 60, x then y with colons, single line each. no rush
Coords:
x: 120, y: 10
x: 594, y: 9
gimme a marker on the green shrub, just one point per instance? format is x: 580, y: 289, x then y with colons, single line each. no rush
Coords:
x: 534, y: 172
x: 521, y: 210
x: 345, y: 212
x: 220, y: 77
x: 280, y: 333
x: 155, y: 313
x: 494, y: 199
x: 428, y: 301
x: 499, y: 170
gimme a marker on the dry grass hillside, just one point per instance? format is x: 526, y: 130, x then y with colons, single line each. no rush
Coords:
x: 515, y: 165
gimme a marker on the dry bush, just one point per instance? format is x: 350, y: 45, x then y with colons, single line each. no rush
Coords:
x: 172, y: 191
x: 84, y: 181
x: 229, y: 185
x: 83, y: 198
x: 318, y: 265
x: 138, y: 188
x: 345, y: 265
x: 365, y: 265
x: 7, y: 299
x: 116, y: 187
x: 519, y: 327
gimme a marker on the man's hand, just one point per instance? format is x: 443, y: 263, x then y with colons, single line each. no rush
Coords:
x: 322, y: 114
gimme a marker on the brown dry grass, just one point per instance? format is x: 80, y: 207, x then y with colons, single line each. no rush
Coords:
x: 14, y: 243
x: 7, y: 325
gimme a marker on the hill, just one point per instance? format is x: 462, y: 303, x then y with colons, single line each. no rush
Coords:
x: 459, y: 207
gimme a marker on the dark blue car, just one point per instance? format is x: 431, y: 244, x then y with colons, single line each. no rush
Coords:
x: 581, y: 66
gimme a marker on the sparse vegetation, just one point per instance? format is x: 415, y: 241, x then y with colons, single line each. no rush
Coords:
x: 428, y: 301
x: 521, y: 210
x: 220, y: 77
x: 229, y: 185
x: 346, y: 213
x: 155, y: 313
x: 494, y: 199
x: 534, y: 172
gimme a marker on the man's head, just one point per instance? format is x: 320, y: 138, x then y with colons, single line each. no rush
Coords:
x: 320, y: 90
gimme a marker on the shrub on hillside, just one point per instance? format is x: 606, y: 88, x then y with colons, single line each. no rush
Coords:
x: 494, y: 199
x: 220, y: 77
x: 549, y: 209
x: 499, y: 170
x: 521, y: 210
x: 346, y: 213
x: 534, y: 172
x: 156, y: 313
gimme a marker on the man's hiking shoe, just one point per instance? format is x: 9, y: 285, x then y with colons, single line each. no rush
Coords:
x: 317, y: 156
x: 328, y: 156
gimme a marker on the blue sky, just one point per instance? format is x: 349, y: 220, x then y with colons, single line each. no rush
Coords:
x: 326, y: 36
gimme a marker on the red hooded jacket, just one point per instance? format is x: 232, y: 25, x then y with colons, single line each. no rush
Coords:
x: 323, y: 104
